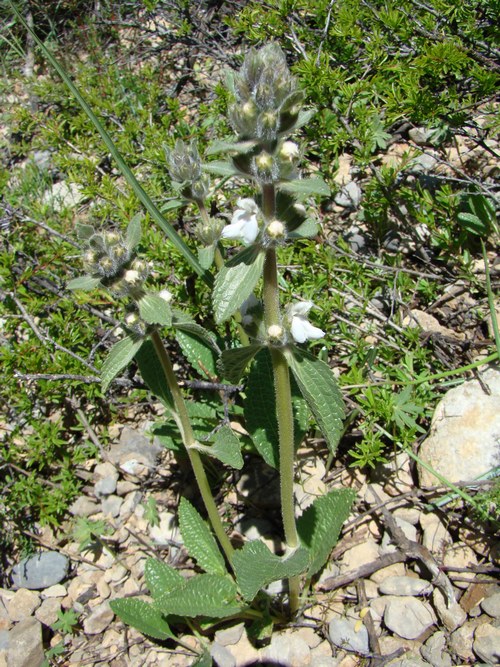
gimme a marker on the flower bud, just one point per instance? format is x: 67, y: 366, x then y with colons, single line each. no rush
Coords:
x: 111, y: 238
x: 276, y: 229
x: 289, y: 151
x: 132, y: 277
x: 275, y: 332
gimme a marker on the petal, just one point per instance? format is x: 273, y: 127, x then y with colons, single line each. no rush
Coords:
x: 247, y: 204
x: 250, y: 230
x: 301, y: 308
x: 233, y: 231
x: 302, y: 330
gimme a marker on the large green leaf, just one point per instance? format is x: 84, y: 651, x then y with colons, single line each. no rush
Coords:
x: 153, y: 375
x: 256, y: 566
x: 160, y: 577
x: 260, y: 410
x: 134, y: 231
x: 153, y: 309
x: 140, y: 193
x: 198, y: 539
x: 319, y: 388
x: 232, y: 362
x: 143, y: 617
x: 120, y: 355
x: 226, y: 448
x: 236, y: 281
x: 212, y: 595
x: 320, y: 524
x: 306, y: 187
x: 199, y: 353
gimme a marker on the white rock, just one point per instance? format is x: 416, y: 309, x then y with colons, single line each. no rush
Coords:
x: 23, y: 604
x: 405, y: 586
x: 359, y: 555
x: 435, y: 536
x: 345, y: 634
x: 460, y: 556
x: 408, y: 617
x: 48, y: 610
x: 487, y: 643
x: 287, y: 649
x: 63, y: 195
x: 461, y: 641
x: 464, y: 441
x: 231, y: 635
x: 349, y: 195
x: 409, y: 531
x: 221, y: 656
x: 98, y: 620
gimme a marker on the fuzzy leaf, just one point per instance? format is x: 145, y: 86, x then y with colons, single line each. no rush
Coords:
x: 155, y: 310
x: 306, y: 186
x: 143, y: 617
x: 120, y: 355
x: 200, y: 355
x: 236, y: 281
x: 153, y: 375
x: 306, y: 230
x: 212, y: 595
x: 319, y: 388
x: 204, y: 660
x: 83, y: 283
x: 233, y: 361
x: 226, y: 448
x: 134, y: 231
x: 320, y: 524
x: 226, y: 146
x: 221, y: 168
x: 161, y: 578
x: 172, y: 204
x: 304, y: 118
x: 256, y: 566
x: 84, y: 232
x: 206, y: 256
x: 184, y: 322
x: 198, y: 539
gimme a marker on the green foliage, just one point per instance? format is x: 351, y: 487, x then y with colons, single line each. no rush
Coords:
x: 236, y: 281
x: 67, y: 621
x: 198, y: 540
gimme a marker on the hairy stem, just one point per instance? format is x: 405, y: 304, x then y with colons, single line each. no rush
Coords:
x: 189, y: 440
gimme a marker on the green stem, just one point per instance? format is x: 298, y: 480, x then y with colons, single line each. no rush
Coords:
x: 491, y: 300
x: 189, y: 440
x: 284, y: 411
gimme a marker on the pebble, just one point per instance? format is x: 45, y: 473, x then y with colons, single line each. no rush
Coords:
x: 63, y: 195
x: 106, y: 486
x: 345, y: 634
x: 434, y: 651
x: 405, y: 586
x: 231, y: 635
x: 47, y: 612
x: 460, y: 556
x: 356, y: 239
x: 221, y: 655
x: 363, y: 553
x: 487, y: 643
x: 41, y: 570
x: 461, y: 641
x: 435, y: 537
x: 409, y: 531
x: 23, y: 604
x: 84, y: 506
x: 491, y: 605
x: 420, y: 135
x: 463, y: 443
x: 408, y: 617
x: 98, y: 620
x: 25, y: 645
x: 349, y: 196
x: 452, y: 616
x: 55, y: 591
x: 166, y: 531
x: 287, y: 649
x: 111, y: 506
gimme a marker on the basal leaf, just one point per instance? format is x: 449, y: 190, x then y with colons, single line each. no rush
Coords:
x: 319, y: 388
x: 306, y: 186
x: 134, y: 231
x: 155, y: 310
x: 226, y: 448
x: 120, y: 355
x: 211, y: 595
x: 256, y: 566
x: 143, y: 617
x: 161, y: 578
x: 198, y: 539
x: 152, y: 374
x: 320, y: 524
x: 232, y: 362
x: 200, y: 355
x: 236, y: 281
x: 83, y: 283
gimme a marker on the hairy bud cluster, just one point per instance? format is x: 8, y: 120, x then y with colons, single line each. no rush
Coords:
x: 208, y: 232
x: 184, y: 166
x: 109, y: 258
x: 267, y: 97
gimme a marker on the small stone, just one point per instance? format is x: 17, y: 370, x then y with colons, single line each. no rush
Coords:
x: 435, y: 536
x: 48, y: 610
x: 221, y: 656
x: 405, y: 586
x: 55, y: 591
x: 23, y: 604
x: 124, y: 487
x: 111, y: 506
x: 130, y: 503
x: 424, y: 162
x: 461, y: 641
x: 453, y: 616
x: 98, y: 620
x: 460, y: 556
x: 487, y: 643
x: 434, y: 651
x: 260, y: 484
x: 115, y: 573
x: 63, y: 195
x: 349, y: 195
x: 231, y: 635
x: 363, y: 553
x: 356, y: 239
x: 25, y: 645
x: 40, y: 571
x: 410, y: 660
x: 491, y: 605
x: 287, y: 649
x: 394, y: 570
x: 84, y: 506
x: 105, y: 486
x: 420, y: 135
x: 345, y: 635
x: 408, y: 617
x: 409, y: 531
x: 166, y: 531
x: 244, y: 653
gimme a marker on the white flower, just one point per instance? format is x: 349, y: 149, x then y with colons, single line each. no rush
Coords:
x: 289, y: 151
x: 300, y: 327
x: 166, y: 295
x: 244, y: 224
x: 132, y: 277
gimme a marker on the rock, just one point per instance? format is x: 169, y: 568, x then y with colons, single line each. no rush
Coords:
x: 345, y: 163
x: 260, y: 484
x: 345, y: 634
x: 5, y: 622
x: 111, y: 506
x: 166, y: 531
x: 25, y: 645
x: 124, y: 487
x: 420, y: 135
x: 461, y: 641
x: 395, y: 475
x: 428, y: 323
x: 243, y: 651
x: 221, y: 656
x: 453, y: 616
x: 356, y: 239
x: 410, y: 660
x: 460, y: 556
x: 105, y: 486
x: 395, y: 570
x: 98, y: 620
x: 135, y: 443
x: 48, y: 610
x: 424, y: 162
x: 55, y: 591
x: 435, y: 536
x: 405, y: 586
x: 40, y: 571
x: 464, y: 440
x: 230, y: 635
x: 360, y: 554
x: 63, y: 195
x: 287, y: 649
x: 408, y: 617
x: 23, y: 604
x: 408, y: 529
x: 84, y: 506
x: 487, y: 643
x: 491, y: 605
x: 130, y: 503
x: 434, y: 651
x: 349, y: 195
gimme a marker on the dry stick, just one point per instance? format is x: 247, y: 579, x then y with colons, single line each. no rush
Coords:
x: 333, y: 583
x: 368, y: 621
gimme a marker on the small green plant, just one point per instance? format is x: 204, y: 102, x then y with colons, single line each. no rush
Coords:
x: 67, y: 621
x: 90, y: 536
